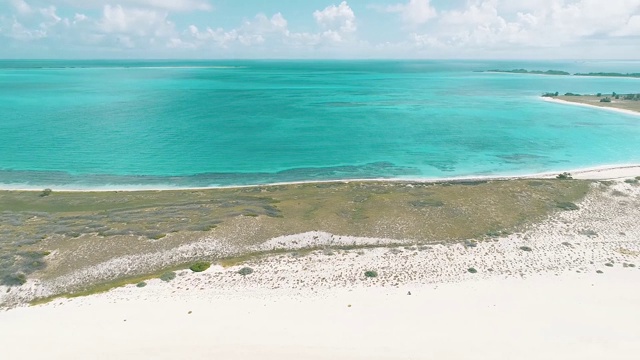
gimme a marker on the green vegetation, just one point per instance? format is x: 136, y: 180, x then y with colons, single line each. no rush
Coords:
x: 571, y: 94
x: 46, y: 192
x: 200, y: 266
x: 534, y: 72
x: 168, y: 276
x: 472, y: 270
x: 85, y: 229
x: 550, y: 94
x: 526, y: 248
x: 610, y: 74
x: 14, y: 268
x: 141, y: 284
x: 370, y: 274
x: 564, y: 176
x: 565, y: 205
x: 245, y: 271
x: 16, y: 279
x: 605, y: 100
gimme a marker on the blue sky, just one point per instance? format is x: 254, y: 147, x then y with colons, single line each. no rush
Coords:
x: 534, y: 29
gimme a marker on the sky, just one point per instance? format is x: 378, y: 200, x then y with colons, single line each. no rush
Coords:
x: 298, y: 29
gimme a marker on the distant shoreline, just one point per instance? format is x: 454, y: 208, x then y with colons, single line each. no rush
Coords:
x: 564, y: 73
x: 617, y: 171
x: 594, y: 102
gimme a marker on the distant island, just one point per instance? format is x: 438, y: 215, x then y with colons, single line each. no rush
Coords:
x: 608, y: 74
x: 535, y: 72
x: 564, y: 73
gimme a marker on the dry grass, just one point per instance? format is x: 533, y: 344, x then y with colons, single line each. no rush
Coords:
x: 84, y: 229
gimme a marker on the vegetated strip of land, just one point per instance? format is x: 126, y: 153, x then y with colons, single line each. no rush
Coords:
x: 52, y: 236
x: 628, y: 102
x: 565, y: 73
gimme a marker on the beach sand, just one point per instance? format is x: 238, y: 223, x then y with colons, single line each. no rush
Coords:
x: 571, y: 316
x: 565, y: 288
x: 627, y: 107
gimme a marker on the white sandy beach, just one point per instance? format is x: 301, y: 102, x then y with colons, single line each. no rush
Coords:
x: 622, y: 111
x: 573, y: 296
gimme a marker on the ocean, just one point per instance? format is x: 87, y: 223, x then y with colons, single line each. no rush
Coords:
x: 179, y: 124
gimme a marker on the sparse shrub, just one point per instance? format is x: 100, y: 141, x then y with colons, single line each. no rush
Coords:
x: 470, y: 243
x: 168, y: 276
x: 46, y: 192
x: 632, y: 181
x: 599, y: 94
x: 608, y: 264
x: 618, y: 193
x: 14, y: 279
x: 526, y: 248
x: 567, y: 206
x: 605, y: 100
x: 200, y: 266
x: 245, y: 271
x: 564, y: 176
x: 599, y: 271
x: 590, y: 233
x: 141, y: 284
x: 472, y: 270
x: 371, y: 274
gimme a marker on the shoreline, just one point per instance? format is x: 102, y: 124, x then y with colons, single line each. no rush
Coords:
x: 565, y: 102
x: 603, y: 172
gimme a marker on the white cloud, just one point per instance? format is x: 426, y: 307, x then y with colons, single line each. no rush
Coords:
x: 135, y: 22
x: 339, y: 19
x: 170, y: 5
x: 21, y: 6
x: 500, y: 24
x: 415, y: 12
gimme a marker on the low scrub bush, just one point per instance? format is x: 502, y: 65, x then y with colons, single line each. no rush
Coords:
x: 141, y: 284
x: 14, y: 279
x: 526, y: 248
x: 46, y: 192
x: 371, y: 274
x: 567, y: 206
x: 200, y: 266
x: 472, y: 270
x: 564, y: 176
x: 168, y: 276
x: 245, y: 271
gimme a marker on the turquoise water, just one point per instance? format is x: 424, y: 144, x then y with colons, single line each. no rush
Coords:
x: 90, y: 124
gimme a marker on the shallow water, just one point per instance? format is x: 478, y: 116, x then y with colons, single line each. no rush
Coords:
x: 88, y: 124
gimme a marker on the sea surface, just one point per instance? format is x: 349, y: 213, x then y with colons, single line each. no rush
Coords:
x: 163, y: 124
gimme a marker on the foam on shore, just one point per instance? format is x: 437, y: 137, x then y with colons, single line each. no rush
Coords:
x: 603, y: 172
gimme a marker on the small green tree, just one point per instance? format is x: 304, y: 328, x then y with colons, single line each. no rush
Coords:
x: 371, y: 274
x: 200, y: 266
